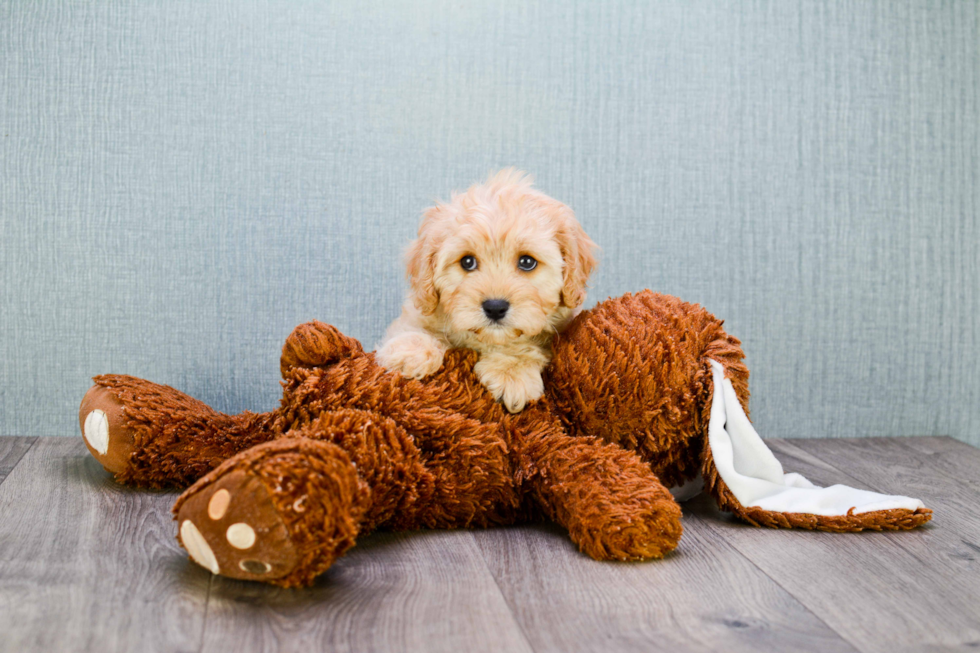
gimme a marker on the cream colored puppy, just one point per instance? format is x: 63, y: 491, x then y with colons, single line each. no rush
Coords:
x: 499, y: 269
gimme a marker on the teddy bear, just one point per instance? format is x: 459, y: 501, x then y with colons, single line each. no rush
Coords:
x: 644, y: 393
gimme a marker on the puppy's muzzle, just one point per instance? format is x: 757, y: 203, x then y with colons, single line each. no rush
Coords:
x: 496, y: 309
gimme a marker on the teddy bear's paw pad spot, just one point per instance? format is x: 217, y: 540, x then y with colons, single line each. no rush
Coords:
x: 106, y: 430
x: 256, y: 567
x: 96, y: 431
x: 241, y: 536
x: 218, y: 504
x: 198, y: 547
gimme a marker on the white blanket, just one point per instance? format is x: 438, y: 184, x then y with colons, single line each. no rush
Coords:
x: 756, y: 478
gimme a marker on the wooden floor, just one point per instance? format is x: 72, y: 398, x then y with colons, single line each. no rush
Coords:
x: 87, y: 565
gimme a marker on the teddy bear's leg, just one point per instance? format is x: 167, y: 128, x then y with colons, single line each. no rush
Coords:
x: 284, y: 511
x: 745, y: 478
x: 153, y: 435
x: 612, y: 504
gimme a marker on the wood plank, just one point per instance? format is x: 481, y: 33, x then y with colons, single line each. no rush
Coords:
x: 795, y: 459
x: 959, y: 460
x: 941, y: 443
x: 950, y: 544
x: 12, y: 449
x: 421, y: 591
x: 703, y: 597
x: 90, y: 565
x: 881, y: 591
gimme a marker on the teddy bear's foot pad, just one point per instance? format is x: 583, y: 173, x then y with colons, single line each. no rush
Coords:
x: 104, y: 429
x: 232, y: 528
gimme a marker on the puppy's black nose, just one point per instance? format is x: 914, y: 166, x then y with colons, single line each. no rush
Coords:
x: 496, y: 309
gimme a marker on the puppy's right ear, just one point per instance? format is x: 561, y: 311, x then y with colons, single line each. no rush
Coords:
x: 420, y: 260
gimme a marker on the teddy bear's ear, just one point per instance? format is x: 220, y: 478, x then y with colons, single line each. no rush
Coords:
x: 578, y: 260
x: 420, y: 261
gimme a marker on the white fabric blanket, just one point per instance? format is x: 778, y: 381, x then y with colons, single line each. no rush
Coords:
x: 755, y: 477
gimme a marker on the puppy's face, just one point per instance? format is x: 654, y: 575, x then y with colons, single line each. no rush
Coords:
x: 500, y: 261
x: 499, y: 277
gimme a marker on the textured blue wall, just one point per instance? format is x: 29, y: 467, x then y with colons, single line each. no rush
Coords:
x: 183, y: 182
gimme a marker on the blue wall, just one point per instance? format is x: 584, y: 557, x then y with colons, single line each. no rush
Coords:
x: 183, y: 182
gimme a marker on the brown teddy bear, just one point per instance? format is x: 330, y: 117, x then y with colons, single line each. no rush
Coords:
x: 645, y: 392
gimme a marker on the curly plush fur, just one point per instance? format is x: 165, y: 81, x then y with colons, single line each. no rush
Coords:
x: 280, y: 495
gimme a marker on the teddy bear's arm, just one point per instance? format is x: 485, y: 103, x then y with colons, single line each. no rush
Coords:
x: 316, y: 344
x: 612, y: 504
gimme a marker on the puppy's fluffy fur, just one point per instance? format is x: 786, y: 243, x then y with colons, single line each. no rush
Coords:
x: 495, y: 223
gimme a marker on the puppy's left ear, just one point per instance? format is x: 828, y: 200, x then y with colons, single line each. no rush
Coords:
x: 577, y: 256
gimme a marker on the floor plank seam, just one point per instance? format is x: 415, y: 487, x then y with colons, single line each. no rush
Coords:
x: 207, y: 610
x: 19, y: 458
x: 796, y: 598
x: 510, y: 608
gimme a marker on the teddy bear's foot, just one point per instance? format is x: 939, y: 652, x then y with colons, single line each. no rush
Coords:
x: 233, y: 528
x: 153, y: 435
x: 106, y: 430
x: 281, y: 512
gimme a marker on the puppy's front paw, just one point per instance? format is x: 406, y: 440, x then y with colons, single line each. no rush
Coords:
x: 512, y: 385
x: 415, y: 355
x: 519, y: 392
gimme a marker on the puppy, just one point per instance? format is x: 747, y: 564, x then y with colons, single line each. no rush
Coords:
x: 499, y: 269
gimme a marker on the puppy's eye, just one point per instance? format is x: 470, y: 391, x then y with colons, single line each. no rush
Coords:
x: 526, y: 263
x: 468, y: 263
